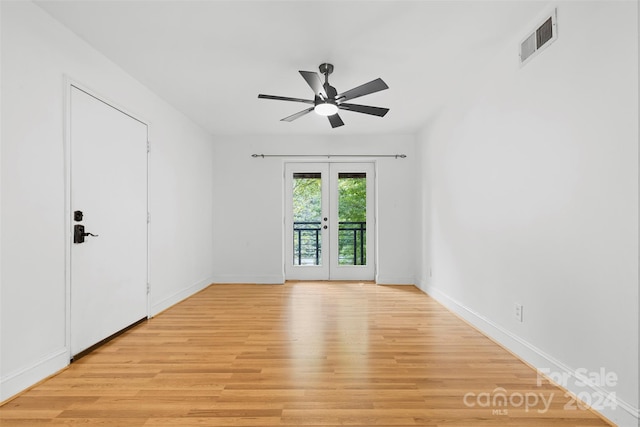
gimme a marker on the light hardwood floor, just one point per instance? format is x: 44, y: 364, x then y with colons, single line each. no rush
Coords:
x: 306, y: 353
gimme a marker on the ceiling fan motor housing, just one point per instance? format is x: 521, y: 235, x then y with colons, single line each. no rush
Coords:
x: 331, y: 93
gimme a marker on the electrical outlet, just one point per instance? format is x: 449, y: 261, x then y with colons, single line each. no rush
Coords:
x: 518, y: 312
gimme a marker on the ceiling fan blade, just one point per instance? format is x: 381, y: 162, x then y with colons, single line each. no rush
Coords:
x: 313, y: 80
x: 297, y: 115
x: 285, y: 98
x: 365, y: 89
x: 366, y: 109
x: 335, y: 121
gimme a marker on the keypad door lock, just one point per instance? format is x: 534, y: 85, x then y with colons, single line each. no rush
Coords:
x: 79, y: 234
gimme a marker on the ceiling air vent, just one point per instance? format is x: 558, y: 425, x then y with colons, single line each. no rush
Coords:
x: 542, y: 37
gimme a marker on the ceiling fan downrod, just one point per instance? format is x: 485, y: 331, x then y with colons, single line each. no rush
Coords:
x: 326, y: 69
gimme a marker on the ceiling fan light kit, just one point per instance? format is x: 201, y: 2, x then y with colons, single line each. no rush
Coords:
x: 327, y: 101
x: 326, y: 108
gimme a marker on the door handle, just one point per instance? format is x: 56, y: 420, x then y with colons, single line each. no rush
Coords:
x: 79, y: 234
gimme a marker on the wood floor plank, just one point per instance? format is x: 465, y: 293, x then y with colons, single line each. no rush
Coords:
x: 302, y: 354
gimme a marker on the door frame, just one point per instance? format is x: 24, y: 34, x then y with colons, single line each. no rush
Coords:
x: 68, y: 84
x: 372, y: 249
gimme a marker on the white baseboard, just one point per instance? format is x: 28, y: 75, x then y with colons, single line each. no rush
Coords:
x: 27, y: 376
x: 392, y: 280
x: 178, y: 296
x: 619, y: 411
x: 259, y: 280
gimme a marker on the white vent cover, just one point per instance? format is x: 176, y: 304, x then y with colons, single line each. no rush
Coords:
x: 542, y: 37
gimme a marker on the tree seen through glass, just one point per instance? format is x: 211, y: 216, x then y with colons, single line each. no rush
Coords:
x: 352, y: 217
x: 352, y: 214
x: 307, y: 209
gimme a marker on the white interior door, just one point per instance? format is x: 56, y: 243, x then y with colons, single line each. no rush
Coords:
x: 109, y: 186
x: 329, y: 231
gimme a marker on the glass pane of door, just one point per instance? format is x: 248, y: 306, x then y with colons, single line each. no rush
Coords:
x: 307, y: 213
x: 352, y: 218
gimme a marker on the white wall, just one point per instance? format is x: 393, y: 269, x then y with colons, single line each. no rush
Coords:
x: 529, y: 194
x: 248, y: 199
x: 36, y: 54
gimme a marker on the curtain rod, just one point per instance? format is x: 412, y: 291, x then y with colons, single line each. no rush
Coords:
x: 328, y: 156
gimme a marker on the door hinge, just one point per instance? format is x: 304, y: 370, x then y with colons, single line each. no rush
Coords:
x: 148, y: 217
x: 148, y: 146
x: 148, y: 288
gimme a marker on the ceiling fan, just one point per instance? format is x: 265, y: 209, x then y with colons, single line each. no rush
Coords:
x: 327, y: 101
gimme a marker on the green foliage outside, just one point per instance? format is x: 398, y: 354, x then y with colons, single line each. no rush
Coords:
x: 352, y: 196
x: 351, y: 208
x: 307, y: 208
x: 306, y: 199
x: 352, y: 193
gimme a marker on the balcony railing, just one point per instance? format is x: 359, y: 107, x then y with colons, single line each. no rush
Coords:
x: 307, y: 243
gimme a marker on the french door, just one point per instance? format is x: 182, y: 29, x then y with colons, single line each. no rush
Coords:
x: 329, y: 216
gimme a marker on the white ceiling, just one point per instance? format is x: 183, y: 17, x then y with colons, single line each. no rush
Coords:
x: 210, y: 59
